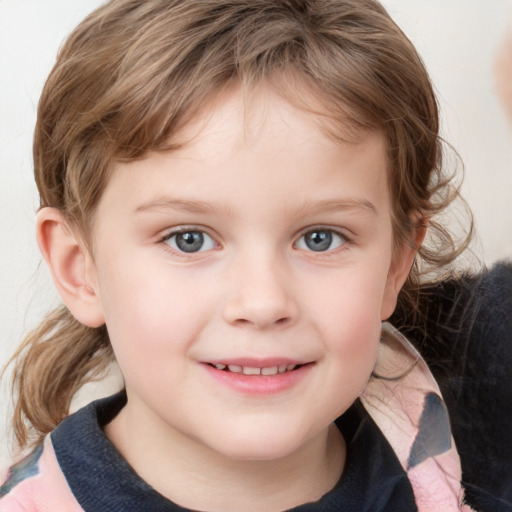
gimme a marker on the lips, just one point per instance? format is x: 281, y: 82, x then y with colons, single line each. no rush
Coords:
x: 259, y: 376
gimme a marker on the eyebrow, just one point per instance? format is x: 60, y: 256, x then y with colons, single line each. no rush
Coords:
x: 171, y: 203
x: 334, y: 205
x: 204, y: 207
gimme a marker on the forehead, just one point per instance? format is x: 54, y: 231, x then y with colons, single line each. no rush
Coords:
x: 259, y: 149
x: 282, y: 102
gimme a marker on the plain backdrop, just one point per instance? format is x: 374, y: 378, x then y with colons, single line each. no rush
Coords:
x: 458, y: 40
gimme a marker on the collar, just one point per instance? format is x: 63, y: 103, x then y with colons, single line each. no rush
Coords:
x: 102, y: 481
x: 405, y: 402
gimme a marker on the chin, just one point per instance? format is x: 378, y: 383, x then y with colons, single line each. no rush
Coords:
x: 259, y: 446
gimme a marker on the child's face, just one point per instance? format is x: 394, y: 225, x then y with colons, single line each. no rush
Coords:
x: 262, y: 243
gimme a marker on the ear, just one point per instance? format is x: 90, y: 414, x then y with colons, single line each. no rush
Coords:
x: 71, y: 266
x: 400, y: 268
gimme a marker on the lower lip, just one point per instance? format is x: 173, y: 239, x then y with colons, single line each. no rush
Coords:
x: 259, y: 384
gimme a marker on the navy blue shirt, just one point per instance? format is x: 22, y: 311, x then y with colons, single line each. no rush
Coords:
x: 102, y: 481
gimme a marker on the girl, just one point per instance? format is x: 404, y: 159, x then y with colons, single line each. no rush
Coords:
x: 234, y: 197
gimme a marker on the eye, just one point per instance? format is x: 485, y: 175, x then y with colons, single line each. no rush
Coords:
x: 321, y: 240
x: 190, y: 241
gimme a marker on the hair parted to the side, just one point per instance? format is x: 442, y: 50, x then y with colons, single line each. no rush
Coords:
x: 135, y: 71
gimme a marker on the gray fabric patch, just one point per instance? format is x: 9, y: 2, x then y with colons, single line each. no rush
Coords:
x: 25, y: 468
x: 434, y: 435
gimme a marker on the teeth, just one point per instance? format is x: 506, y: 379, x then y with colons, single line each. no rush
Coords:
x: 249, y: 370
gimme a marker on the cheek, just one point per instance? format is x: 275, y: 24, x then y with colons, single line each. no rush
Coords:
x: 348, y: 313
x: 351, y: 299
x: 353, y: 342
x: 350, y: 358
x: 149, y: 315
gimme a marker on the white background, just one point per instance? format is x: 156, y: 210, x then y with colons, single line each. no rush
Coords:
x: 458, y: 40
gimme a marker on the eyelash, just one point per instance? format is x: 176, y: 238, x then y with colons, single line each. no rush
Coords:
x: 344, y: 240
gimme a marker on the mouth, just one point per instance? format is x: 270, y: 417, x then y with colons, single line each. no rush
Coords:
x: 256, y: 370
x: 259, y: 377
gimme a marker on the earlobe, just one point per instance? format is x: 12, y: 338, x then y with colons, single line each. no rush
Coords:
x: 399, y: 270
x: 70, y: 265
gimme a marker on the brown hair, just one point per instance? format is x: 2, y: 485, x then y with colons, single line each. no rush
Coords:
x: 134, y: 71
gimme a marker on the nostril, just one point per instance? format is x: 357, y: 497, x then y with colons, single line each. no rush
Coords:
x: 260, y: 310
x: 283, y: 321
x: 242, y: 321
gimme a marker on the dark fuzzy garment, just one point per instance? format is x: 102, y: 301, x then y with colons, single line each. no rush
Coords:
x: 467, y: 342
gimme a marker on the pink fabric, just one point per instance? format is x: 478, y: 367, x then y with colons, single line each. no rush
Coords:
x: 48, y: 491
x: 396, y: 400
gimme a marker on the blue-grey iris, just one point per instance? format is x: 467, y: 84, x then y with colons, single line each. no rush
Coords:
x: 190, y: 241
x: 318, y: 240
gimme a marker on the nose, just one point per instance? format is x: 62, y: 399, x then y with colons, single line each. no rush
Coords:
x: 261, y: 295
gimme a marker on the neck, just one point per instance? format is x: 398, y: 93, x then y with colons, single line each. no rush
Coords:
x: 196, y: 477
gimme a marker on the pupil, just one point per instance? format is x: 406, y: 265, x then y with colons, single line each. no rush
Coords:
x: 319, y: 240
x: 191, y: 241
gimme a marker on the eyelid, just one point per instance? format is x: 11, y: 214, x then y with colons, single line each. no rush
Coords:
x: 185, y: 228
x: 345, y: 233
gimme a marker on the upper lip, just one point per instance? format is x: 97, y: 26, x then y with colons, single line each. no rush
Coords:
x: 252, y: 362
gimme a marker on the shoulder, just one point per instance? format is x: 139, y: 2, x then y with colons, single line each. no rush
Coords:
x: 36, y: 483
x: 51, y: 478
x: 467, y: 342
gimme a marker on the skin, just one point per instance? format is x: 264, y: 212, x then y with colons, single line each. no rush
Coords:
x: 257, y: 177
x: 503, y: 75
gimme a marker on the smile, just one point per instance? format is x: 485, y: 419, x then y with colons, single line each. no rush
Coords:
x: 259, y: 377
x: 253, y: 370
